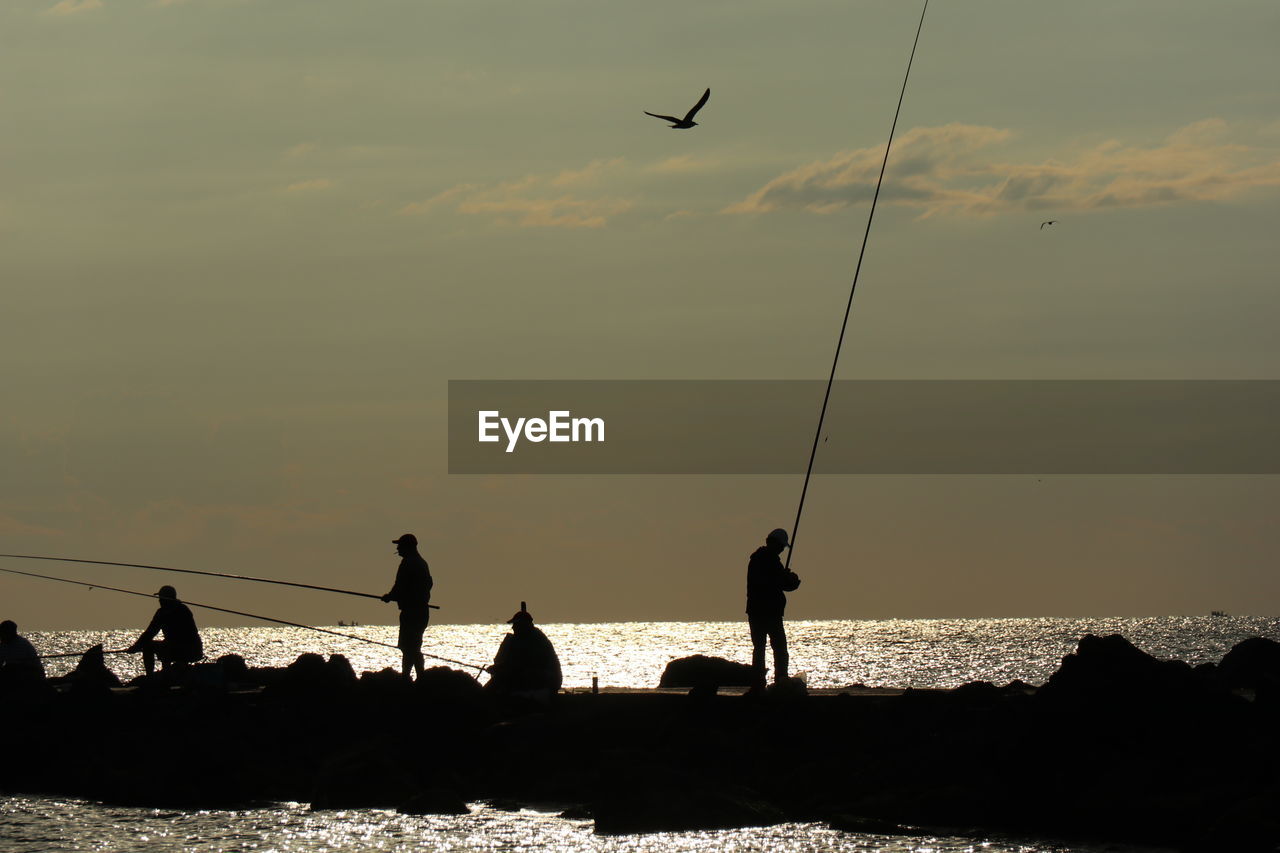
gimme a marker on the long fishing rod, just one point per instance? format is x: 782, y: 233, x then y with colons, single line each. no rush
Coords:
x: 844, y: 325
x: 201, y: 572
x: 82, y: 654
x: 239, y: 613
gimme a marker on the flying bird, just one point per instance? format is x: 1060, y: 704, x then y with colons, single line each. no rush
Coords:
x: 1050, y: 222
x: 686, y: 122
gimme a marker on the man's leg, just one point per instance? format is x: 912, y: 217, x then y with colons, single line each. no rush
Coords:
x: 152, y: 651
x: 781, y: 660
x: 759, y: 636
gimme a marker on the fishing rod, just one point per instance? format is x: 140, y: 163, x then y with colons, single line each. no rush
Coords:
x: 201, y: 572
x: 844, y: 325
x: 82, y: 654
x: 240, y: 613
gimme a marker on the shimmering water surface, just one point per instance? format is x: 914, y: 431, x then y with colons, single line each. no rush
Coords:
x: 903, y: 653
x: 893, y: 653
x: 41, y: 825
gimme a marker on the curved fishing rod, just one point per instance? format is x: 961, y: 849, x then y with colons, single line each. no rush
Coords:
x: 240, y: 613
x: 813, y: 453
x: 201, y: 572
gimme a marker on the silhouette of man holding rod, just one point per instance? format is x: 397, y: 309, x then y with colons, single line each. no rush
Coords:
x: 412, y: 592
x: 768, y: 581
x: 181, y: 644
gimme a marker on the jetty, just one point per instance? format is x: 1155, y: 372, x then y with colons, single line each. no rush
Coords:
x: 1116, y: 746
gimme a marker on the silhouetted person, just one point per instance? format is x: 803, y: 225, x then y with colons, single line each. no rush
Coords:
x: 412, y: 592
x: 767, y: 582
x: 19, y: 660
x: 526, y: 663
x: 181, y: 644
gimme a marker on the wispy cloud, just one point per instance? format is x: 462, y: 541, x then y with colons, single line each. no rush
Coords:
x: 72, y: 7
x: 534, y: 201
x: 942, y: 170
x: 299, y: 151
x: 681, y: 163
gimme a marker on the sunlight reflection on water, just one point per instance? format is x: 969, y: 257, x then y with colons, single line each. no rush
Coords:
x: 36, y: 825
x: 889, y: 653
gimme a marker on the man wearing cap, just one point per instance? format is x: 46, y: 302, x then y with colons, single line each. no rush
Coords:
x: 412, y: 592
x: 19, y: 661
x: 181, y: 644
x: 526, y: 663
x: 768, y: 581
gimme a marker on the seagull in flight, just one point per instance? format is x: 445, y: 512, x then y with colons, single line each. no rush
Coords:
x: 686, y: 122
x: 1050, y: 222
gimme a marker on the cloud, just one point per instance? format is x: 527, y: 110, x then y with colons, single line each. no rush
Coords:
x: 533, y: 201
x: 302, y: 149
x: 313, y: 185
x: 590, y: 174
x: 941, y: 170
x: 679, y: 164
x: 563, y: 212
x: 72, y: 7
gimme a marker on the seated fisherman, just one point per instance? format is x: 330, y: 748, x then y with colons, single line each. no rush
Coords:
x: 181, y: 644
x: 526, y: 664
x: 19, y: 661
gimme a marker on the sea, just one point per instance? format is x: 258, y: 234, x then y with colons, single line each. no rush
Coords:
x: 923, y: 653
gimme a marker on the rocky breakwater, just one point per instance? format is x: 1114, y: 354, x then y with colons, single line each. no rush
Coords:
x: 1116, y: 746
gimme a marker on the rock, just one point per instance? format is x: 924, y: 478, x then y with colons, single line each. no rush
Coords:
x: 867, y: 825
x: 339, y: 672
x: 435, y: 801
x: 234, y: 669
x: 362, y: 778
x: 441, y: 682
x: 703, y: 671
x: 682, y: 810
x: 1250, y: 663
x: 977, y: 691
x: 787, y: 688
x: 91, y: 673
x: 1112, y: 667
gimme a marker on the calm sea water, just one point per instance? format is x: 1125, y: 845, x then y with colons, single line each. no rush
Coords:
x: 899, y: 653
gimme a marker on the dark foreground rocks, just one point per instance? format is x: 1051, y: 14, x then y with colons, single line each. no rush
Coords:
x: 1118, y: 746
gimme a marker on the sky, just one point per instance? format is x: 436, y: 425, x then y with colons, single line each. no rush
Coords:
x: 245, y: 244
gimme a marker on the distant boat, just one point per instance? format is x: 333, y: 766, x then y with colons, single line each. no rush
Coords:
x: 342, y: 624
x: 1217, y: 613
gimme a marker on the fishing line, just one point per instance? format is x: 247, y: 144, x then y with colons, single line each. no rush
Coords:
x: 239, y: 613
x: 200, y: 572
x: 817, y: 437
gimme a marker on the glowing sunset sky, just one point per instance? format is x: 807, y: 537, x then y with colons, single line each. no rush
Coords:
x: 247, y: 242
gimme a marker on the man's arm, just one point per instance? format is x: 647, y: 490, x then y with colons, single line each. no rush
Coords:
x: 149, y: 634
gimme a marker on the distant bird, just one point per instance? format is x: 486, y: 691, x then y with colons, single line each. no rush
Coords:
x: 1050, y: 222
x: 686, y: 122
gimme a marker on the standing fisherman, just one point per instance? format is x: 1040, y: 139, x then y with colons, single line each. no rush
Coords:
x: 767, y: 582
x: 412, y: 592
x: 181, y: 644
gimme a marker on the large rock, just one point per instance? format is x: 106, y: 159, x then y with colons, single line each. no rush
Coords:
x: 444, y: 683
x: 1111, y: 666
x: 702, y: 671
x: 1251, y: 663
